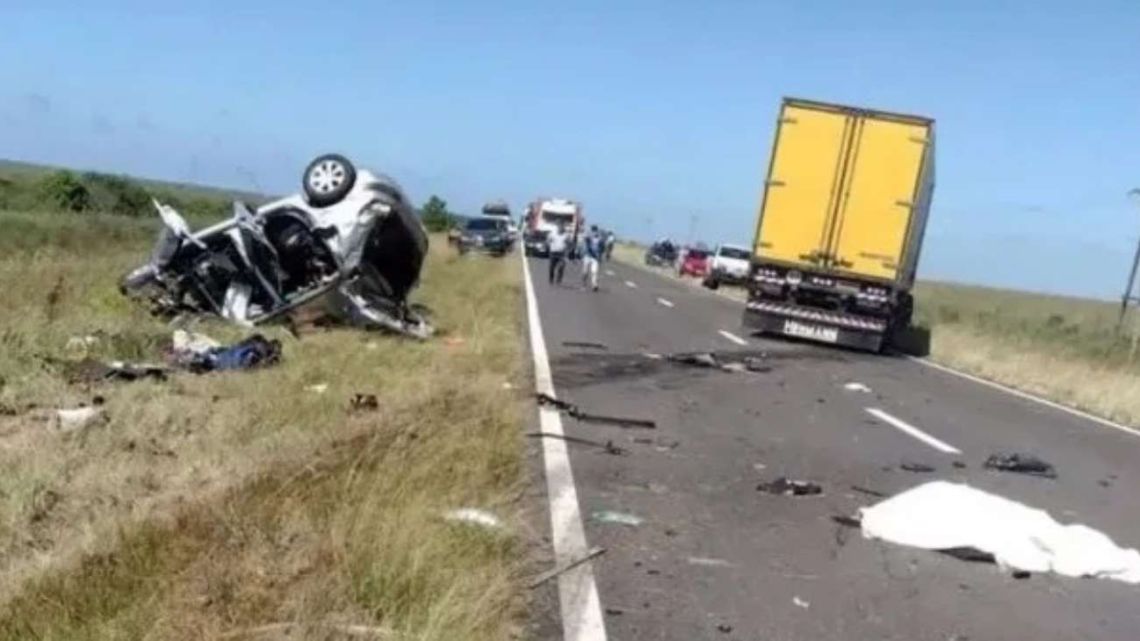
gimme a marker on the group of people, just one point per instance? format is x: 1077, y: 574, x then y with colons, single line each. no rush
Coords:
x: 595, y: 247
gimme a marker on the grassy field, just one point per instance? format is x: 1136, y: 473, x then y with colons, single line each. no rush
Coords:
x: 1065, y: 349
x: 243, y: 504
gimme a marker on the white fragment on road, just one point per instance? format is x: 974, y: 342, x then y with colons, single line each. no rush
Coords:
x: 911, y: 430
x: 474, y: 516
x: 857, y: 387
x: 609, y: 272
x: 630, y: 283
x: 709, y: 562
x: 943, y: 516
x: 732, y: 337
x: 800, y: 602
x: 664, y: 301
x: 759, y: 467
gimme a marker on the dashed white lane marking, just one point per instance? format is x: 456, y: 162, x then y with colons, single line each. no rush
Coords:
x: 630, y: 283
x: 609, y: 272
x: 907, y: 428
x: 577, y: 591
x: 1029, y: 397
x: 665, y: 302
x: 732, y: 337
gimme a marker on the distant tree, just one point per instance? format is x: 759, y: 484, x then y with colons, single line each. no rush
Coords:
x: 435, y: 215
x: 65, y: 191
x: 117, y: 194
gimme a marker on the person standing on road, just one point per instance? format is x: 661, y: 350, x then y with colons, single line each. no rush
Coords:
x: 556, y: 243
x: 592, y: 255
x: 610, y: 240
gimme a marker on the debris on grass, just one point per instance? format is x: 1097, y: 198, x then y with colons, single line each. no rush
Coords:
x: 252, y: 352
x: 71, y: 420
x: 89, y: 371
x: 318, y: 388
x: 474, y: 516
x: 364, y: 402
x: 784, y: 486
x: 616, y: 518
x: 1021, y: 464
x: 565, y: 567
x: 185, y: 341
x: 969, y: 523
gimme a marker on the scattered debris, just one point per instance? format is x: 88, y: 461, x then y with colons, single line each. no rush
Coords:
x: 1021, y: 574
x: 614, y: 612
x: 920, y: 468
x: 759, y: 467
x: 800, y: 603
x: 708, y: 360
x: 71, y: 420
x: 301, y: 630
x: 184, y: 341
x: 653, y: 357
x: 573, y: 410
x: 857, y: 387
x: 507, y: 385
x: 585, y: 345
x: 474, y: 516
x: 869, y: 492
x: 91, y: 371
x: 565, y: 567
x: 364, y: 402
x: 617, y: 518
x: 696, y: 560
x: 81, y: 343
x: 724, y: 628
x: 608, y: 446
x: 955, y: 517
x: 1021, y: 464
x: 784, y: 486
x: 959, y: 465
x: 319, y: 388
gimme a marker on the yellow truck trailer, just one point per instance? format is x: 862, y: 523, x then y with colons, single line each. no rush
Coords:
x: 841, y: 222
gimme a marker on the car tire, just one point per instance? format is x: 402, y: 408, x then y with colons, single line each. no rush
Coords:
x: 712, y: 283
x: 328, y: 179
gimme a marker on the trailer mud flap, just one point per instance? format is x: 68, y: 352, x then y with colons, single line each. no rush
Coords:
x: 771, y: 323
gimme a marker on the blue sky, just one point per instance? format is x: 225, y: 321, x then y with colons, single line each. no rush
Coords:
x: 649, y: 112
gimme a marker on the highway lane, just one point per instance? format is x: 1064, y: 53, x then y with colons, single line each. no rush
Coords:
x: 716, y: 559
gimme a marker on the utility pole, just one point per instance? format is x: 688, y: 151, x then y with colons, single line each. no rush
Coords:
x: 1129, y: 296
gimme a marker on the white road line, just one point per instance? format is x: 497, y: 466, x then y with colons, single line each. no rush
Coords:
x: 1029, y: 397
x: 733, y: 337
x: 630, y: 283
x: 665, y: 302
x: 577, y: 592
x: 903, y: 426
x: 609, y: 272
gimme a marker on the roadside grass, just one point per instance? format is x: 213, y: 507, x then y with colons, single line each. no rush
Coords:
x: 209, y: 506
x: 1062, y: 348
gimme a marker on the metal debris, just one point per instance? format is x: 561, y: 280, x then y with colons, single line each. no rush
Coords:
x: 1021, y: 464
x: 362, y: 402
x: 565, y: 567
x: 608, y: 446
x: 784, y: 486
x: 800, y: 603
x: 574, y: 411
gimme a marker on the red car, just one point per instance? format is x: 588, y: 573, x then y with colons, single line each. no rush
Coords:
x: 696, y: 263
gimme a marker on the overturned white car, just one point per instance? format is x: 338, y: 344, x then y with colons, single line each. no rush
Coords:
x: 351, y: 244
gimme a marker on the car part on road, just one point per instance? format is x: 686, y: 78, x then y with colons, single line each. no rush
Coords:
x: 1021, y: 464
x: 784, y: 486
x: 943, y: 516
x: 592, y: 554
x: 608, y: 446
x: 573, y: 410
x: 353, y: 247
x: 727, y: 363
x: 585, y: 345
x: 616, y: 518
x: 919, y: 468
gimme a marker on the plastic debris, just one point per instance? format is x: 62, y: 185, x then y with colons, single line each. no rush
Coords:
x: 800, y: 603
x: 474, y: 516
x: 565, y: 567
x: 1021, y: 464
x: 857, y: 387
x: 617, y: 518
x: 184, y: 341
x: 71, y: 420
x: 319, y: 388
x: 546, y: 400
x: 81, y: 343
x: 784, y: 486
x: 969, y: 523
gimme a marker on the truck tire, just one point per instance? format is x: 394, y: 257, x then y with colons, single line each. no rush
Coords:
x: 328, y: 179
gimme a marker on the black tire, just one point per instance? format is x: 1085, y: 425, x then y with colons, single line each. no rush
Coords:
x: 712, y: 283
x: 328, y: 179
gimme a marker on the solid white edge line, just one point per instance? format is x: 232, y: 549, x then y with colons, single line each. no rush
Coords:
x: 630, y: 283
x: 732, y: 337
x: 665, y: 302
x: 1027, y: 396
x: 907, y: 428
x: 577, y: 591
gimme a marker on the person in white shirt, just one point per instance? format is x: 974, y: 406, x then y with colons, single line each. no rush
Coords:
x: 556, y: 243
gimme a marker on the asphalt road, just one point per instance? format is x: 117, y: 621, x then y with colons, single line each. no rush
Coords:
x: 714, y: 558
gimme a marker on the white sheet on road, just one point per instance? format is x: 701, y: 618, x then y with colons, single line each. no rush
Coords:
x: 940, y: 515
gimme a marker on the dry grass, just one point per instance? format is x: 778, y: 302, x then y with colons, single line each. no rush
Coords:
x: 1065, y: 349
x: 212, y: 504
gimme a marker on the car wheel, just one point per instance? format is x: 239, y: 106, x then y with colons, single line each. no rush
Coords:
x: 328, y: 179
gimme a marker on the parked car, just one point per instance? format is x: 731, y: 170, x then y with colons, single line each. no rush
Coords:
x: 351, y: 244
x: 695, y: 262
x: 485, y: 234
x: 535, y: 243
x: 661, y: 254
x: 728, y: 264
